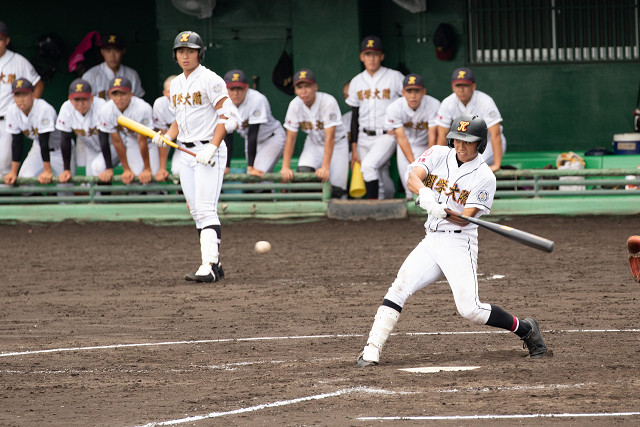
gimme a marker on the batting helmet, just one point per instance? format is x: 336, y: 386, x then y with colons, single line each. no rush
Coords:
x: 470, y: 128
x: 189, y: 39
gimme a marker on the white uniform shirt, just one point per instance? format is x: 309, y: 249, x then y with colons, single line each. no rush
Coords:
x: 13, y: 66
x: 472, y: 184
x: 85, y: 127
x: 480, y: 104
x: 101, y: 75
x: 373, y: 94
x: 138, y: 110
x: 416, y: 123
x: 41, y: 119
x: 163, y: 113
x: 324, y: 113
x: 256, y: 110
x: 194, y: 99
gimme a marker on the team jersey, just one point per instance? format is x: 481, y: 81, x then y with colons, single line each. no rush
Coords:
x: 13, y: 66
x: 416, y: 123
x: 194, y: 99
x: 101, y: 75
x: 324, y: 113
x: 480, y: 104
x: 163, y: 113
x: 373, y: 94
x: 138, y: 110
x: 254, y: 110
x: 471, y: 184
x: 41, y: 119
x: 85, y: 127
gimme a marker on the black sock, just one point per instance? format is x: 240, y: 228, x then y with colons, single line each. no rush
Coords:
x: 501, y: 319
x: 372, y: 189
x: 391, y: 304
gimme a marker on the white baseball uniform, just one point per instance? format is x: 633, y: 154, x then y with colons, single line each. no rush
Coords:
x: 141, y: 112
x: 481, y: 105
x: 255, y: 109
x: 101, y: 75
x: 163, y: 116
x: 41, y: 119
x: 416, y: 126
x: 194, y: 99
x: 372, y: 95
x: 85, y: 128
x: 323, y: 114
x: 12, y: 66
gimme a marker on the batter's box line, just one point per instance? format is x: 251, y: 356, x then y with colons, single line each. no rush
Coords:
x: 499, y: 417
x: 275, y: 404
x: 298, y: 337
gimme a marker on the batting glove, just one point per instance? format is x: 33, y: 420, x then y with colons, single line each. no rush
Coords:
x: 437, y: 210
x: 157, y: 139
x: 205, y: 156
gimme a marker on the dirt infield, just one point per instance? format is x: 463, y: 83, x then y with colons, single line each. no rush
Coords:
x: 99, y: 328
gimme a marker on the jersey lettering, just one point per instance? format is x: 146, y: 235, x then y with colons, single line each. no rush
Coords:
x: 441, y: 185
x: 188, y: 99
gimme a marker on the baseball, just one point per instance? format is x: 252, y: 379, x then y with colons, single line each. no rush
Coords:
x: 262, y: 247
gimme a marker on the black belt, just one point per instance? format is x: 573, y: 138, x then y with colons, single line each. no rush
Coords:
x: 1, y: 117
x: 193, y: 144
x: 374, y: 132
x: 445, y: 231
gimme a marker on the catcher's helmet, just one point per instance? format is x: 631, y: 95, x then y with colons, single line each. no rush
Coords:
x: 470, y: 128
x: 189, y: 39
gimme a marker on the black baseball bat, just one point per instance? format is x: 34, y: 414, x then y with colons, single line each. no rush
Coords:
x: 519, y: 236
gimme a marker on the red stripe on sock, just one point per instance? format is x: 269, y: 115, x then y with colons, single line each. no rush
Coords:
x: 514, y: 325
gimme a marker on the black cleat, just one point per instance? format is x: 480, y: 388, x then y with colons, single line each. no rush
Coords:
x: 533, y: 340
x: 212, y: 277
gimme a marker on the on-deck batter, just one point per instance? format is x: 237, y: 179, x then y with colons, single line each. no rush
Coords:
x: 454, y: 177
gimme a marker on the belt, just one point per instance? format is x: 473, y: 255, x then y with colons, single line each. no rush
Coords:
x: 374, y: 132
x: 53, y: 149
x: 1, y: 117
x: 193, y: 144
x: 445, y: 231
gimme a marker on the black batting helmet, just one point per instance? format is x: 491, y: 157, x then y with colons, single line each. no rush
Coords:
x: 470, y: 128
x: 189, y: 39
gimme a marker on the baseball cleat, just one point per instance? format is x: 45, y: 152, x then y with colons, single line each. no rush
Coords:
x: 220, y: 271
x: 205, y: 274
x: 533, y: 340
x: 370, y: 356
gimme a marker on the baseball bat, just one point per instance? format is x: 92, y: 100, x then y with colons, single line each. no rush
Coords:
x: 519, y: 236
x: 149, y: 133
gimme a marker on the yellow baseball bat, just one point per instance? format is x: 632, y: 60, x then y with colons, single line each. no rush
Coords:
x: 150, y: 133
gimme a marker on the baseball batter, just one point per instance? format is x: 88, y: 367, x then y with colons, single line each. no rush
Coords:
x: 370, y: 93
x: 12, y: 65
x: 36, y: 119
x: 412, y: 118
x: 264, y: 136
x: 202, y: 106
x: 79, y: 116
x: 136, y: 155
x: 465, y: 99
x: 101, y: 75
x: 163, y: 116
x: 454, y: 177
x: 326, y: 149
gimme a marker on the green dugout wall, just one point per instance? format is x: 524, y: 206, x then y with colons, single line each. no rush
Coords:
x: 551, y: 106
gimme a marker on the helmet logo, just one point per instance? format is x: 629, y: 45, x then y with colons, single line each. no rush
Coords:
x: 236, y: 77
x: 79, y: 87
x: 462, y: 127
x: 112, y: 39
x: 370, y: 43
x: 184, y: 37
x: 117, y: 82
x: 412, y: 80
x: 303, y: 74
x: 19, y: 83
x: 461, y: 74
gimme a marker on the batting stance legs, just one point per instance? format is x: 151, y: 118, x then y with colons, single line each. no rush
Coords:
x: 201, y: 185
x: 437, y: 254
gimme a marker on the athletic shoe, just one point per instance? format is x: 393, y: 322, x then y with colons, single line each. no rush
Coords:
x: 220, y: 271
x: 370, y: 356
x: 205, y: 274
x: 533, y: 340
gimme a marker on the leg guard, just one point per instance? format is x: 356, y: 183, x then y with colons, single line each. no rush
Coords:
x: 383, y: 324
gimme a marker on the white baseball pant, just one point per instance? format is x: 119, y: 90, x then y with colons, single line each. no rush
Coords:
x: 375, y: 153
x: 5, y: 148
x: 312, y: 155
x: 269, y: 151
x: 403, y: 163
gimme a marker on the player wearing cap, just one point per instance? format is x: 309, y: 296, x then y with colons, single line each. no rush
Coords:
x: 163, y: 116
x: 79, y: 116
x: 100, y: 76
x: 264, y: 136
x: 412, y: 118
x: 202, y: 107
x: 326, y: 149
x: 136, y: 155
x: 370, y: 93
x: 12, y: 65
x: 36, y: 119
x: 466, y: 99
x: 453, y: 177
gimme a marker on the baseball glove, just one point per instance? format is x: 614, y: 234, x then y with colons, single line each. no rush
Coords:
x: 633, y: 246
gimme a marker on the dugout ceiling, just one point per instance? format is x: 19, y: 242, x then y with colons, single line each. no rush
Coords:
x: 545, y: 106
